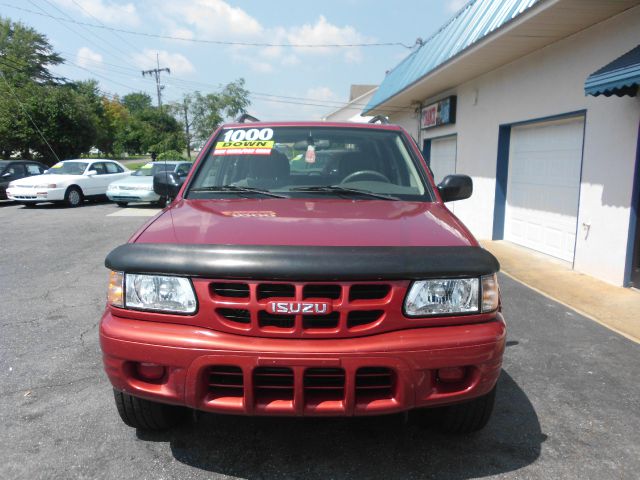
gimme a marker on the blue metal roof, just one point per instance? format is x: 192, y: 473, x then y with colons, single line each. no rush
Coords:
x: 474, y: 21
x: 620, y: 77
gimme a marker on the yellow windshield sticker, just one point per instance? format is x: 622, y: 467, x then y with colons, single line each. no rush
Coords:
x: 245, y: 147
x: 57, y: 165
x: 147, y: 165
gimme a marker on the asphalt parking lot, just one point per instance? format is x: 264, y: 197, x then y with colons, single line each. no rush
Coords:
x: 568, y: 403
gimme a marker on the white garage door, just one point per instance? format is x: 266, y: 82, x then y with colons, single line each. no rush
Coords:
x: 543, y: 186
x: 443, y: 157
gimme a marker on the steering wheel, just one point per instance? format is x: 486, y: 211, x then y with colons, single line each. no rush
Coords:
x: 365, y: 173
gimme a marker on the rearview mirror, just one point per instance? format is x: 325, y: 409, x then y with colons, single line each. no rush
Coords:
x: 455, y: 187
x: 91, y: 173
x: 167, y: 184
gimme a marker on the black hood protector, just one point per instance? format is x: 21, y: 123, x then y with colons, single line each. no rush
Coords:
x: 304, y: 263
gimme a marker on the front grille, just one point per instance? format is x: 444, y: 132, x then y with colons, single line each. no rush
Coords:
x: 321, y: 291
x: 273, y: 383
x: 266, y: 319
x: 320, y: 321
x: 374, y: 383
x: 301, y: 390
x: 358, y: 318
x: 368, y: 292
x: 323, y: 384
x: 225, y: 381
x: 231, y: 290
x: 237, y: 315
x: 275, y: 290
x: 352, y: 308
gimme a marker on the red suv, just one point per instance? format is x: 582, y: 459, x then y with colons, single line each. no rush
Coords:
x: 305, y: 269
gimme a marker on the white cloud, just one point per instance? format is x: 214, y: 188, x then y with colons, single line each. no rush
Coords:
x: 211, y: 19
x: 324, y: 32
x: 217, y: 20
x: 455, y: 5
x: 104, y: 10
x: 87, y: 58
x: 176, y: 62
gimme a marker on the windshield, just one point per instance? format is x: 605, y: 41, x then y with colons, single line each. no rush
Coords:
x: 150, y: 169
x: 67, y: 168
x: 310, y: 162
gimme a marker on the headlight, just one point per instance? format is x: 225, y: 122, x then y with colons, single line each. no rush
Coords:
x: 442, y: 296
x: 152, y: 292
x: 452, y: 296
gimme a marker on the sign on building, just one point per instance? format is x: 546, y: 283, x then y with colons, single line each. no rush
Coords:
x: 439, y: 113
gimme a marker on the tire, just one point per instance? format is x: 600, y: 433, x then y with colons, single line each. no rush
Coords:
x: 162, y: 202
x: 122, y: 204
x: 460, y: 418
x: 147, y: 415
x: 73, y: 197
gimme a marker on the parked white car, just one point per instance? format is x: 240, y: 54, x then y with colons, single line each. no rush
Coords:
x: 70, y: 181
x: 139, y: 186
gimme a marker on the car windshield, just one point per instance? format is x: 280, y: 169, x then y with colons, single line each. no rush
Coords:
x: 67, y: 168
x: 150, y: 169
x: 359, y: 163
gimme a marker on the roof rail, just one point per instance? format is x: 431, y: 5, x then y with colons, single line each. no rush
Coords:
x: 380, y: 119
x: 245, y: 117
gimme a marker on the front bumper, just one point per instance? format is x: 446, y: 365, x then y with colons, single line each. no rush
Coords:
x: 410, y: 359
x: 132, y: 196
x: 34, y: 195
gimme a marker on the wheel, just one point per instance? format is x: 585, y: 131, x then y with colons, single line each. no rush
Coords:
x: 147, y: 415
x: 73, y: 197
x: 465, y: 417
x: 122, y: 204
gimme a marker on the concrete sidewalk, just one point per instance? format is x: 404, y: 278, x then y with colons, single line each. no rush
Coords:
x: 616, y: 308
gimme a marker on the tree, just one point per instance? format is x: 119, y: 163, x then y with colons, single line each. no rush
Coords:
x: 137, y: 103
x: 25, y: 55
x: 199, y: 115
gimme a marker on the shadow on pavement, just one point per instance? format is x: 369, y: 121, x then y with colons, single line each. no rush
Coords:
x: 376, y: 447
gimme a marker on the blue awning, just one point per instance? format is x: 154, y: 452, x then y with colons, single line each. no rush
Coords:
x: 620, y: 77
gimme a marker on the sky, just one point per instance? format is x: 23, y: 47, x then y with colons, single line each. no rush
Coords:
x: 286, y: 83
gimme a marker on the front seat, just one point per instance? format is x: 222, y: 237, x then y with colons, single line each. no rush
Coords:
x: 267, y: 171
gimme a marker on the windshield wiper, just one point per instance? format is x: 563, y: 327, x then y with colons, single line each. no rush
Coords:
x: 344, y: 190
x: 236, y: 188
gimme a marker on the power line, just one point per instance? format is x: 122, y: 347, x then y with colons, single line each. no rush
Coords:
x: 61, y: 20
x: 29, y: 116
x: 214, y: 42
x: 102, y: 23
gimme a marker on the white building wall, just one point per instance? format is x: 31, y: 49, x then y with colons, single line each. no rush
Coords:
x: 546, y: 83
x: 352, y: 111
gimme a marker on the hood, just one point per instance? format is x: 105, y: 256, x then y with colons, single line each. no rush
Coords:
x: 131, y: 180
x: 44, y: 180
x: 313, y: 222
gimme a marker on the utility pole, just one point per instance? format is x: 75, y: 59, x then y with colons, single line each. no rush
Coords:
x: 156, y: 73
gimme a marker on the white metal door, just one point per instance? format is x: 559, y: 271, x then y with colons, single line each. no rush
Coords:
x: 443, y: 157
x: 543, y: 186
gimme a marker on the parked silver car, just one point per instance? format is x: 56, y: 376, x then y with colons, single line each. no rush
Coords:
x: 139, y: 186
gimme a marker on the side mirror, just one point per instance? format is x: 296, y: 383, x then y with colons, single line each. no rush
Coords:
x: 91, y: 173
x: 455, y: 187
x: 167, y: 184
x: 7, y: 175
